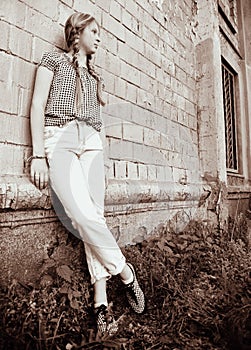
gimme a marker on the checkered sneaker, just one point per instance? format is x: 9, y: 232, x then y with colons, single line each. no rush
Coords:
x: 105, y: 323
x: 134, y: 293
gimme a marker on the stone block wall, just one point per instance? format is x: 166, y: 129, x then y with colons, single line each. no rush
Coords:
x: 147, y: 59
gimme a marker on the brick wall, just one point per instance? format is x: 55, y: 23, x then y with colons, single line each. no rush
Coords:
x: 148, y: 60
x: 148, y: 64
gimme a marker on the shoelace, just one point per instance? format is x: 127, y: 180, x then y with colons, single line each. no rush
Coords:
x: 132, y: 289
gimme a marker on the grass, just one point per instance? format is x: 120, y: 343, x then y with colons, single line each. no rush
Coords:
x: 197, y: 285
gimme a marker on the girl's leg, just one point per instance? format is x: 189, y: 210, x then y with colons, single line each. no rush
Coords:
x: 71, y: 185
x: 100, y: 296
x: 78, y: 181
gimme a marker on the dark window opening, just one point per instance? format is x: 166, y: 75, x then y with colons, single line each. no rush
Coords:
x: 228, y: 81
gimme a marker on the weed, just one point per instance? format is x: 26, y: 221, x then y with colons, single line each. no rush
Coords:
x: 197, y: 285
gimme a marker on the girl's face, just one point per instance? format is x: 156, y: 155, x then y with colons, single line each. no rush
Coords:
x: 89, y: 38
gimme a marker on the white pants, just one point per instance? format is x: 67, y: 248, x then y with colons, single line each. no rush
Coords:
x: 76, y: 169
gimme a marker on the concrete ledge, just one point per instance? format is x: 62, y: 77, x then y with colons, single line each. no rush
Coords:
x: 17, y: 192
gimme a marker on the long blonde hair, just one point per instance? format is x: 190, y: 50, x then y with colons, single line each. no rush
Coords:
x: 76, y: 23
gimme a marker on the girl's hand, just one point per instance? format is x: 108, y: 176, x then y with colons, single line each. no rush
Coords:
x: 39, y: 173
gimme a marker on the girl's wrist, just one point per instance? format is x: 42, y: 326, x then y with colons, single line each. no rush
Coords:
x: 35, y: 157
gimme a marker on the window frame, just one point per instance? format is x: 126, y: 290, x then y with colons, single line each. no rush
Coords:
x: 234, y: 118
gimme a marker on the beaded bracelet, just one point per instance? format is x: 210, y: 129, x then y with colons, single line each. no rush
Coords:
x: 34, y: 157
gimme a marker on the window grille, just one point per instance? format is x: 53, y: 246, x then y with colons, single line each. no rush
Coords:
x: 228, y: 81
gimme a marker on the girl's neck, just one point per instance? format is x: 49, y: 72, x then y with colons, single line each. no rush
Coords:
x: 82, y: 58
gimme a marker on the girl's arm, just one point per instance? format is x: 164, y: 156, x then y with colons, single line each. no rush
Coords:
x: 39, y: 168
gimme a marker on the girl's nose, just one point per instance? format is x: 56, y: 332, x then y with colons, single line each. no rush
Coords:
x: 98, y: 38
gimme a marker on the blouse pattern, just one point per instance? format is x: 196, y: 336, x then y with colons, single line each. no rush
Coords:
x: 60, y: 106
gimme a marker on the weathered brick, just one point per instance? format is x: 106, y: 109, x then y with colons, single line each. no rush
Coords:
x: 120, y: 169
x: 112, y: 99
x: 14, y: 129
x: 128, y: 54
x: 109, y: 41
x: 120, y: 87
x: 4, y: 35
x: 130, y: 73
x: 47, y: 7
x: 142, y: 168
x: 159, y: 104
x: 115, y: 10
x: 160, y: 17
x: 9, y: 104
x: 104, y: 5
x: 145, y: 98
x: 147, y: 83
x: 190, y: 107
x: 13, y: 12
x: 134, y: 41
x: 131, y: 93
x: 67, y: 2
x: 130, y: 22
x: 6, y: 64
x: 147, y: 66
x: 132, y: 171
x: 20, y: 43
x: 11, y: 159
x: 192, y: 122
x: 178, y: 174
x: 151, y: 138
x: 39, y: 47
x: 146, y: 5
x: 132, y: 7
x: 120, y: 109
x: 168, y: 66
x: 23, y: 73
x: 141, y: 153
x: 169, y: 176
x: 160, y: 173
x: 113, y: 26
x: 111, y: 63
x: 132, y: 132
x: 152, y: 24
x: 180, y: 74
x: 151, y: 173
x: 120, y: 149
x: 152, y: 54
x: 40, y: 25
x: 109, y: 171
x: 63, y: 13
x: 113, y: 126
x: 25, y: 96
x: 149, y: 36
x: 167, y: 141
x: 109, y: 80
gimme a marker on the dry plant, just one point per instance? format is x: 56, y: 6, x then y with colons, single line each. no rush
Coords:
x: 197, y: 285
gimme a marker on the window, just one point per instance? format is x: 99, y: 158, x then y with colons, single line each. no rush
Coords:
x: 228, y: 81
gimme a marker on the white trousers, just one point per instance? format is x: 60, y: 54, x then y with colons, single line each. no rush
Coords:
x: 76, y: 169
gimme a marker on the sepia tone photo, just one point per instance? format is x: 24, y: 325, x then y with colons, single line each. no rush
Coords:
x: 125, y: 174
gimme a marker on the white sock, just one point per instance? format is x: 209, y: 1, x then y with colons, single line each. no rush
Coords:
x: 129, y: 280
x: 96, y: 305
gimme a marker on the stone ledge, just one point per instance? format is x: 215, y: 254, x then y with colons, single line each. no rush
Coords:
x: 17, y: 193
x: 236, y: 192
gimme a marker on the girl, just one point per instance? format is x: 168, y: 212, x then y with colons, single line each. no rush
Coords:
x: 67, y: 148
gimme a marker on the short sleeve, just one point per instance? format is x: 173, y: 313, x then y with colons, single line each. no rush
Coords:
x: 49, y: 60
